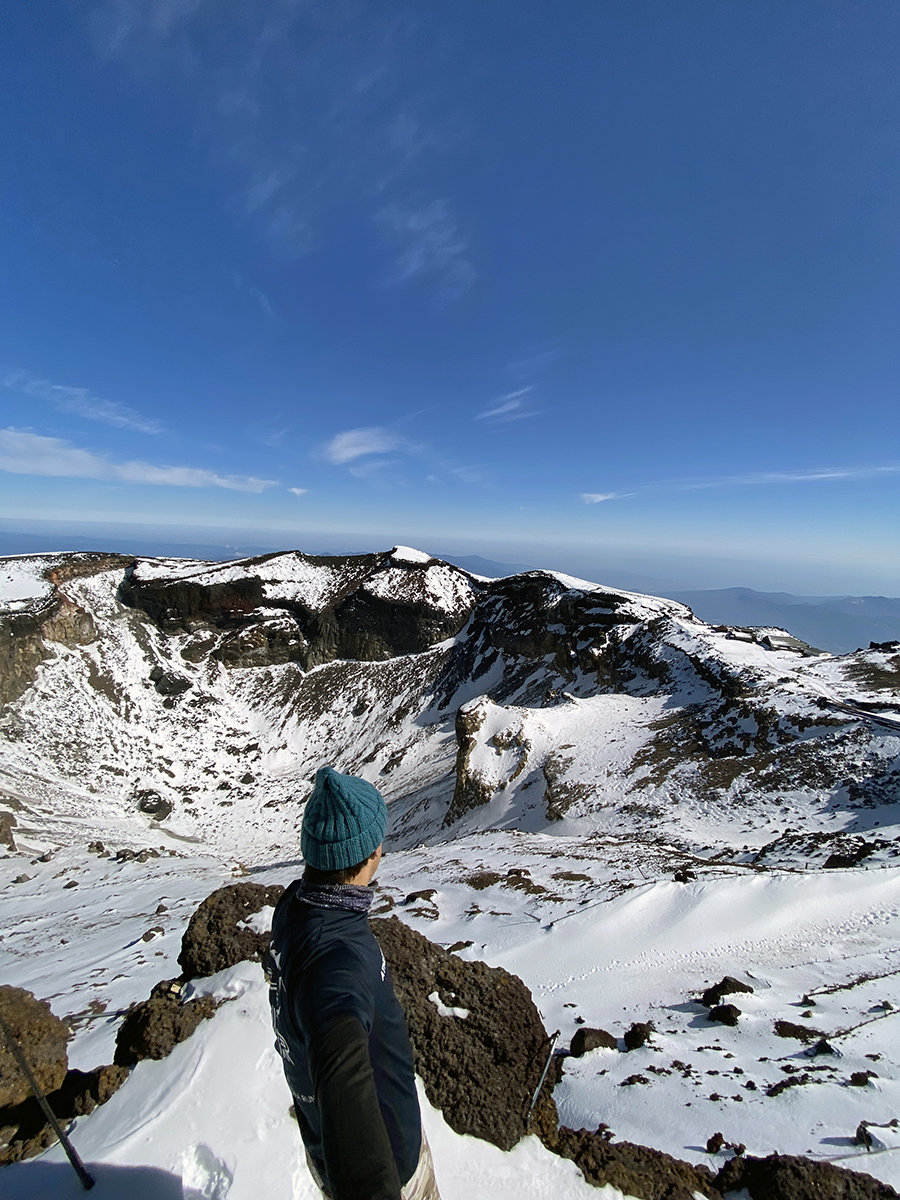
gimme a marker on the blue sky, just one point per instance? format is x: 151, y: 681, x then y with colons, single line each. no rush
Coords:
x: 580, y: 284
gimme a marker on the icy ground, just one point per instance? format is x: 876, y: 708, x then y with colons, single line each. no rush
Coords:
x: 597, y: 943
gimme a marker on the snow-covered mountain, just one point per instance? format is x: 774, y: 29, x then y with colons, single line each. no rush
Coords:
x: 608, y: 796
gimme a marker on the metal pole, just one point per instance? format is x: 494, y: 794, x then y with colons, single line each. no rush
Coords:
x: 537, y: 1090
x: 87, y: 1181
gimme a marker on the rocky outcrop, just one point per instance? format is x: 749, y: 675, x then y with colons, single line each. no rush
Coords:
x: 24, y: 1130
x: 789, y: 1177
x: 216, y: 936
x: 357, y: 617
x: 24, y: 634
x: 471, y: 788
x: 154, y: 1027
x: 40, y: 1035
x: 479, y: 1042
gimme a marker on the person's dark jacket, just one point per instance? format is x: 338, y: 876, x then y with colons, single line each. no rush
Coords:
x: 343, y: 1040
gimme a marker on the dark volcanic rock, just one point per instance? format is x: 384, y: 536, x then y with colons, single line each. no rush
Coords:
x: 167, y: 683
x: 803, y: 1033
x: 786, y: 1177
x: 153, y: 804
x: 42, y: 1038
x: 636, y: 1170
x: 725, y: 987
x: 725, y: 1014
x: 587, y: 1039
x: 213, y: 939
x: 153, y: 1027
x: 638, y: 1034
x: 7, y: 824
x: 481, y: 1071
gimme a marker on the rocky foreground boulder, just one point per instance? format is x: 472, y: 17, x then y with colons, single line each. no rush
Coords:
x: 41, y: 1036
x: 479, y: 1042
x: 218, y: 935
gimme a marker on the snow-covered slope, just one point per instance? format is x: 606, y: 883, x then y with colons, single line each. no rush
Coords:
x: 609, y: 797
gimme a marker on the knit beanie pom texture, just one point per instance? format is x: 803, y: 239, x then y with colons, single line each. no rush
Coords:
x: 343, y: 822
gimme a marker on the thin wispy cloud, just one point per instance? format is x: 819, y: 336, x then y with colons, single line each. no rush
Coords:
x: 306, y: 103
x: 429, y: 247
x: 356, y: 443
x: 510, y: 408
x: 801, y: 475
x: 25, y: 453
x: 298, y: 491
x: 79, y: 400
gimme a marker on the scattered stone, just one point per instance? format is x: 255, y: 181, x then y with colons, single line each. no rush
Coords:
x: 861, y: 1078
x: 167, y: 683
x: 792, y: 1081
x: 72, y: 883
x: 22, y: 878
x: 96, y: 848
x: 459, y: 946
x: 42, y: 1038
x: 683, y: 875
x: 638, y: 1034
x: 724, y: 1014
x: 155, y: 932
x: 713, y: 995
x: 153, y: 1027
x: 633, y: 1079
x: 161, y: 908
x: 715, y: 1143
x: 802, y: 1033
x: 425, y: 894
x: 586, y: 1039
x: 822, y: 1047
x: 213, y: 939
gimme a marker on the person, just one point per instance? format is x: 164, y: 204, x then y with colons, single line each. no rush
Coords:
x: 339, y: 1027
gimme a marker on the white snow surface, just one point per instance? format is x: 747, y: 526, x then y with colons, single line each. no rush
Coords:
x: 22, y: 581
x: 584, y: 908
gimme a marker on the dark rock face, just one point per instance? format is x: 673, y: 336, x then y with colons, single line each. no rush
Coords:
x: 353, y: 622
x: 636, y: 1170
x: 470, y: 790
x: 7, y: 824
x: 725, y: 987
x: 167, y: 683
x: 586, y: 1039
x: 213, y: 939
x: 42, y: 1038
x: 153, y: 1027
x: 785, y: 1177
x: 481, y: 1070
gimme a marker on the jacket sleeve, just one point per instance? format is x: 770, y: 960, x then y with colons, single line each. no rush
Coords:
x: 358, y: 1155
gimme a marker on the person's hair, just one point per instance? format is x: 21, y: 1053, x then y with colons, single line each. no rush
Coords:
x: 344, y: 875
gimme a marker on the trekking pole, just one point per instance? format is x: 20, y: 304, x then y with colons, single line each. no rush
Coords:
x: 537, y: 1090
x: 87, y: 1181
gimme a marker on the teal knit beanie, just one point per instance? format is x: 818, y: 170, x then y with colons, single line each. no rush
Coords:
x: 343, y: 822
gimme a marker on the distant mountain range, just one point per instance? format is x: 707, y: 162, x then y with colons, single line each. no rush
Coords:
x: 836, y: 623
